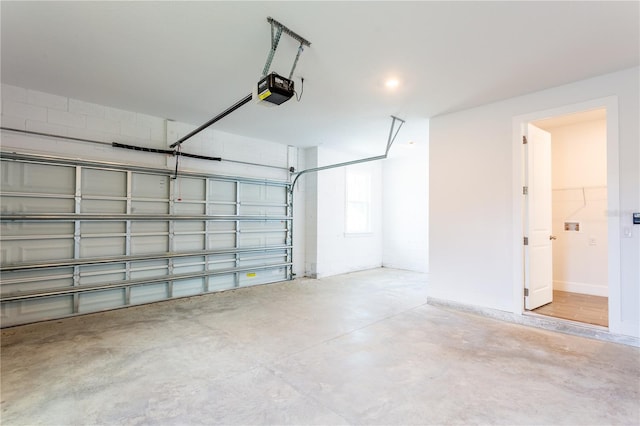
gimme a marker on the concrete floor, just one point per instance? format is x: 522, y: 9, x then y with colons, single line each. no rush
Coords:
x: 361, y: 348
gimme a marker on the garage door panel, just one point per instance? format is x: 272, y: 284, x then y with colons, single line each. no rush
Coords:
x: 22, y: 281
x: 93, y: 301
x: 25, y: 311
x: 153, y: 244
x: 262, y: 233
x: 175, y: 246
x: 159, y: 227
x: 261, y: 240
x: 186, y: 208
x: 17, y: 229
x: 276, y: 194
x: 222, y: 191
x: 35, y: 251
x: 100, y: 247
x: 257, y: 210
x: 190, y: 189
x: 147, y: 186
x: 262, y: 259
x: 37, y: 178
x: 262, y: 276
x: 109, y: 183
x: 102, y: 274
x: 262, y: 193
x: 189, y: 287
x: 258, y: 193
x: 104, y: 206
x: 149, y: 207
x: 184, y: 265
x: 222, y: 241
x: 222, y: 209
x: 102, y: 227
x: 261, y: 262
x: 149, y: 269
x: 222, y: 226
x: 263, y: 226
x: 37, y: 205
x: 149, y: 293
x: 222, y: 282
x: 189, y: 226
x: 187, y: 243
x: 221, y: 262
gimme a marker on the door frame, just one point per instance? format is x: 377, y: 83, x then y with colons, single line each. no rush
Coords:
x: 610, y: 103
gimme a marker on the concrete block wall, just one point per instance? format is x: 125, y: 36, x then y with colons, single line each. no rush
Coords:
x: 35, y: 111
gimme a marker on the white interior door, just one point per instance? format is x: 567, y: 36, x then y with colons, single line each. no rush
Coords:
x: 538, y: 253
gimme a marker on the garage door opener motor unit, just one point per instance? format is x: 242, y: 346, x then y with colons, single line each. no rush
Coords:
x: 275, y: 89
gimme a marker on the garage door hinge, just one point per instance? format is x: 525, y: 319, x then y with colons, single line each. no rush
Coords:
x: 526, y: 292
x: 526, y: 241
x: 525, y: 190
x: 524, y: 140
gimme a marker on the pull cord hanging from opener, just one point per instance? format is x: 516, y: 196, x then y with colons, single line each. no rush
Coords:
x: 177, y: 155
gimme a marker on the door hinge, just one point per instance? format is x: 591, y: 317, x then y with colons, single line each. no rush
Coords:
x: 526, y: 241
x: 526, y: 292
x: 524, y: 140
x: 525, y: 190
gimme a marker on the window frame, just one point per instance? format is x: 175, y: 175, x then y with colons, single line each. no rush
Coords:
x: 363, y: 196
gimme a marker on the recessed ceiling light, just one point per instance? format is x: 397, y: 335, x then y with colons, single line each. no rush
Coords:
x: 392, y: 83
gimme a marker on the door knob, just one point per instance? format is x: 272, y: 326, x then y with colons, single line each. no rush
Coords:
x: 553, y: 237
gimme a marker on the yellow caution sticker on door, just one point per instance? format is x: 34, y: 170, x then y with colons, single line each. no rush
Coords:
x: 251, y: 274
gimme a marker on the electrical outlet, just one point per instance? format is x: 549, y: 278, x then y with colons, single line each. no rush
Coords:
x: 626, y: 232
x: 592, y: 241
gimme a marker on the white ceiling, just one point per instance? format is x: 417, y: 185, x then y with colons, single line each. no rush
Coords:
x: 190, y: 60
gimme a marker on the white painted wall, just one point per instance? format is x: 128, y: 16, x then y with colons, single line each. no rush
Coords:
x: 579, y: 179
x: 335, y: 251
x: 31, y: 110
x: 405, y: 207
x: 472, y: 239
x: 579, y: 153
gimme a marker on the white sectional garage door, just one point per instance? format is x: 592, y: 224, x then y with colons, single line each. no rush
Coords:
x: 80, y: 237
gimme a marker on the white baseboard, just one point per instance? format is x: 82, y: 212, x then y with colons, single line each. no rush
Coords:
x: 583, y: 288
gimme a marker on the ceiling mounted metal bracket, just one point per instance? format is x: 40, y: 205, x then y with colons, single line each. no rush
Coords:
x: 390, y: 139
x: 295, y: 61
x: 279, y: 28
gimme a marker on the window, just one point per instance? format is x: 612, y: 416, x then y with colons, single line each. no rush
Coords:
x: 358, y: 203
